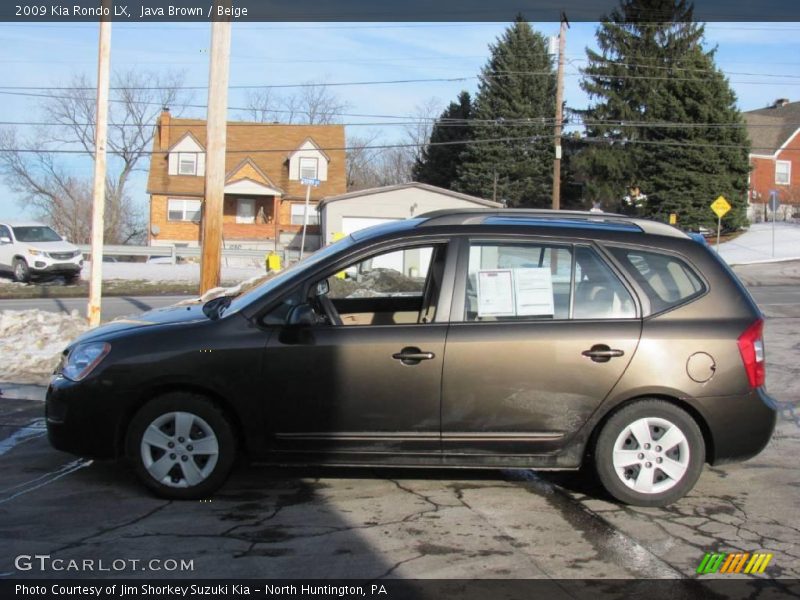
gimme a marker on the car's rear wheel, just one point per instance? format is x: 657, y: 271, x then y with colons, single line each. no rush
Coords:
x: 181, y: 446
x: 22, y: 272
x: 649, y: 453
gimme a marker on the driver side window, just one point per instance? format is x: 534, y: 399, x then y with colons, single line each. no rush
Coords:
x: 398, y: 287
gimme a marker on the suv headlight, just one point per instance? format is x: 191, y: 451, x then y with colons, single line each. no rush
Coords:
x: 83, y: 359
x: 35, y: 252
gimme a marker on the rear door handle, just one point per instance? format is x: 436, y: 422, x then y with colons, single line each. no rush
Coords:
x: 602, y: 353
x: 412, y: 356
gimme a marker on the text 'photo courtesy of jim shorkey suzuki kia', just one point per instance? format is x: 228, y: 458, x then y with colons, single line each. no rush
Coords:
x: 471, y: 338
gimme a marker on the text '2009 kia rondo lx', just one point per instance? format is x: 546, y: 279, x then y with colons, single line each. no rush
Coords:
x: 506, y: 339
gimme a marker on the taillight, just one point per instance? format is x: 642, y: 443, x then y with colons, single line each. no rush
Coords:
x: 751, y: 347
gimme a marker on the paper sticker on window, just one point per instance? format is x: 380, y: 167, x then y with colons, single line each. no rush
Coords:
x: 495, y: 293
x: 533, y: 291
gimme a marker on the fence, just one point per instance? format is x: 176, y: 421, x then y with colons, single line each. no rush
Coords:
x: 288, y: 255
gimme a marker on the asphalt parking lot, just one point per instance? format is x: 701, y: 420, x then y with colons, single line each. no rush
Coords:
x: 376, y: 523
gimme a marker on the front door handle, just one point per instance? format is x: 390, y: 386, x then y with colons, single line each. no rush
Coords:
x: 602, y: 353
x: 412, y: 356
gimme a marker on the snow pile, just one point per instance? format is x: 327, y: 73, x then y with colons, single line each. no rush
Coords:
x: 231, y: 291
x: 33, y: 341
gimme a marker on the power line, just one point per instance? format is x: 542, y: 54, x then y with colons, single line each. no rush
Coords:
x: 535, y: 138
x: 511, y: 122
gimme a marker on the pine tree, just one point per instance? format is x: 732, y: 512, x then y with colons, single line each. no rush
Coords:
x: 438, y: 164
x: 665, y: 120
x: 515, y: 103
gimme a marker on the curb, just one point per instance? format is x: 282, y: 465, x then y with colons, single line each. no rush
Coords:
x: 763, y: 261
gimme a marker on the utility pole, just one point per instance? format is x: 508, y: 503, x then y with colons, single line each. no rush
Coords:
x: 99, y: 187
x: 216, y: 125
x: 562, y: 44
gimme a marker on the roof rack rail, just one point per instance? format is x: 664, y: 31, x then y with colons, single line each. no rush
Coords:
x: 477, y: 216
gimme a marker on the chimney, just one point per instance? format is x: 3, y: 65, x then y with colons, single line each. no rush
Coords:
x: 780, y: 103
x: 163, y: 128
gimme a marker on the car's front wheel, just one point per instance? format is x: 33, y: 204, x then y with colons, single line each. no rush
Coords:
x: 22, y: 272
x: 181, y: 445
x: 649, y: 453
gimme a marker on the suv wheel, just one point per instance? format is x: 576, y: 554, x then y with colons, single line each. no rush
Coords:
x: 650, y: 453
x: 22, y: 272
x: 181, y: 446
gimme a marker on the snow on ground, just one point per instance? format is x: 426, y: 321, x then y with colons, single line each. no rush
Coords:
x: 33, y: 341
x: 755, y: 245
x: 155, y: 272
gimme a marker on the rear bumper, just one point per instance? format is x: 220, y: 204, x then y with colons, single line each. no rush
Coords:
x: 740, y: 426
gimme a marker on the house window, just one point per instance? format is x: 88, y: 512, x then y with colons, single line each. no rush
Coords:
x: 184, y: 210
x: 783, y: 172
x: 187, y: 163
x: 245, y: 210
x: 298, y: 210
x: 308, y: 168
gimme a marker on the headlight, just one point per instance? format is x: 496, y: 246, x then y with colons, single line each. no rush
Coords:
x: 35, y: 252
x: 83, y: 359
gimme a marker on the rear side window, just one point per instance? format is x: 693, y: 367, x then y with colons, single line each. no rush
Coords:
x: 668, y: 281
x: 525, y: 281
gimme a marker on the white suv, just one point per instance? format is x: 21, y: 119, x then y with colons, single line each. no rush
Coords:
x: 29, y: 249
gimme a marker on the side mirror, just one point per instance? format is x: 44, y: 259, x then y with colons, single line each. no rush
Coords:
x: 302, y: 314
x: 5, y: 240
x: 323, y: 287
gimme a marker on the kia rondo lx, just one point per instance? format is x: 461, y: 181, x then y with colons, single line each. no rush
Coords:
x: 484, y: 338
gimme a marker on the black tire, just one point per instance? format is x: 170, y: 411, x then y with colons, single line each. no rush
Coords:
x: 22, y: 272
x: 684, y: 459
x: 192, y: 474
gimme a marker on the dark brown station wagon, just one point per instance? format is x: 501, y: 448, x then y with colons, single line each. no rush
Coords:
x: 483, y: 338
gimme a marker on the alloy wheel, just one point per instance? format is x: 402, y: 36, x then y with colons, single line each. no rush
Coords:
x: 651, y: 455
x: 179, y: 449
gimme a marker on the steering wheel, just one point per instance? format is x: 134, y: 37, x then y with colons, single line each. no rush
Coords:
x: 329, y: 310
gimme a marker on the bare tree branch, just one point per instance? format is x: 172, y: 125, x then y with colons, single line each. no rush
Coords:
x: 63, y: 200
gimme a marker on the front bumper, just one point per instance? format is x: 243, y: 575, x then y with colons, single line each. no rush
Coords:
x: 40, y: 267
x: 85, y: 417
x: 740, y: 426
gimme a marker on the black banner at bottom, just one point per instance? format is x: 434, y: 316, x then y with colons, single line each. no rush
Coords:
x: 401, y: 589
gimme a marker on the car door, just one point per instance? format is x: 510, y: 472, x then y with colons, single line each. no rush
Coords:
x: 366, y: 379
x: 6, y: 248
x: 540, y: 334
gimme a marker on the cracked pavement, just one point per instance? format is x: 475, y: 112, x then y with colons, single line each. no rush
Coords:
x: 384, y: 523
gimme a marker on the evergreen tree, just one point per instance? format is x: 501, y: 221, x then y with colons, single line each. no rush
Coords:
x: 665, y: 120
x: 515, y: 103
x: 438, y: 164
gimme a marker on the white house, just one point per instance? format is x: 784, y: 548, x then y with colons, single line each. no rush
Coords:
x: 346, y: 213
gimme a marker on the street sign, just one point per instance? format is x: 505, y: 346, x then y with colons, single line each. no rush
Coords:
x: 774, y: 204
x: 673, y: 218
x: 309, y: 181
x: 720, y: 207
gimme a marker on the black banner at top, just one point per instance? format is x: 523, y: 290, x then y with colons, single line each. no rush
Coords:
x: 134, y: 11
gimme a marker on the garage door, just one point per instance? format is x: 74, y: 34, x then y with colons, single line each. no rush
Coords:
x: 352, y: 224
x: 387, y: 261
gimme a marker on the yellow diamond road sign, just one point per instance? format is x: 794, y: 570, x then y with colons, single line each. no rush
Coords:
x: 720, y: 206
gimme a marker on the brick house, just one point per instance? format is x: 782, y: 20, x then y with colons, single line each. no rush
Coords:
x: 774, y: 156
x: 264, y: 199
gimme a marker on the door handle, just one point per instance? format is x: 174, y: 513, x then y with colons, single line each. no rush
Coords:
x: 602, y: 353
x: 412, y: 356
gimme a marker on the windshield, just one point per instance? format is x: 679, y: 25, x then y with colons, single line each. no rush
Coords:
x: 39, y: 233
x: 239, y: 302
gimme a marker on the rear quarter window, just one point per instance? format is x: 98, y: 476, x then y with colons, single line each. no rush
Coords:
x: 666, y: 280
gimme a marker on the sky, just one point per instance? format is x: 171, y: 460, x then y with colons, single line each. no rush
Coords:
x: 762, y: 61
